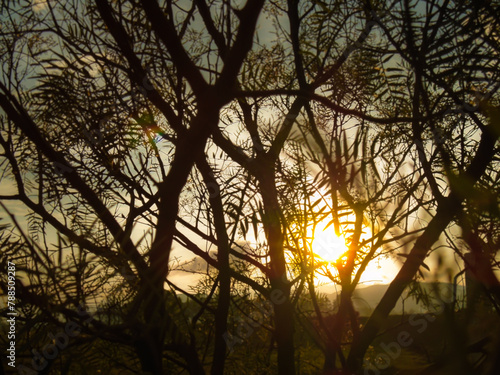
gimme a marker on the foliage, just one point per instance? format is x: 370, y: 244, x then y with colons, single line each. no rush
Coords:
x: 136, y: 131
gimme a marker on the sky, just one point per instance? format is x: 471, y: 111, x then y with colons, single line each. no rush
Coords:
x: 382, y: 270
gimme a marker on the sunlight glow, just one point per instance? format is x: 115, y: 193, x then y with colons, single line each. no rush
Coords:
x: 326, y: 244
x: 330, y: 248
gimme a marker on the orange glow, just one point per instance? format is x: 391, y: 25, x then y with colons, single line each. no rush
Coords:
x: 326, y: 244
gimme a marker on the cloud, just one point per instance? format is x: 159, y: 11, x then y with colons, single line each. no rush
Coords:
x: 39, y: 5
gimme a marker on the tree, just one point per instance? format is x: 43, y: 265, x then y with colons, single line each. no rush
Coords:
x: 131, y: 126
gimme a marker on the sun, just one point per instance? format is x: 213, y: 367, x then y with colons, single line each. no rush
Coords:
x: 326, y: 244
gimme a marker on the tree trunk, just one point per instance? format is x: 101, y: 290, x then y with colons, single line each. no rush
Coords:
x: 280, y: 295
x: 461, y: 186
x: 437, y: 225
x: 223, y: 247
x: 190, y: 147
x: 149, y: 351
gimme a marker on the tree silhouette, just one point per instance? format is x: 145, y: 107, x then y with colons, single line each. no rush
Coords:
x: 130, y: 128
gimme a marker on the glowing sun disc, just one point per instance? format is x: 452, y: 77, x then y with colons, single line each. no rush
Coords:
x: 327, y: 245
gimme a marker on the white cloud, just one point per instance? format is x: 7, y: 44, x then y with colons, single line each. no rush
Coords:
x: 39, y: 5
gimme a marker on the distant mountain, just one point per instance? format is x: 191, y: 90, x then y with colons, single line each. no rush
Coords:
x: 366, y: 298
